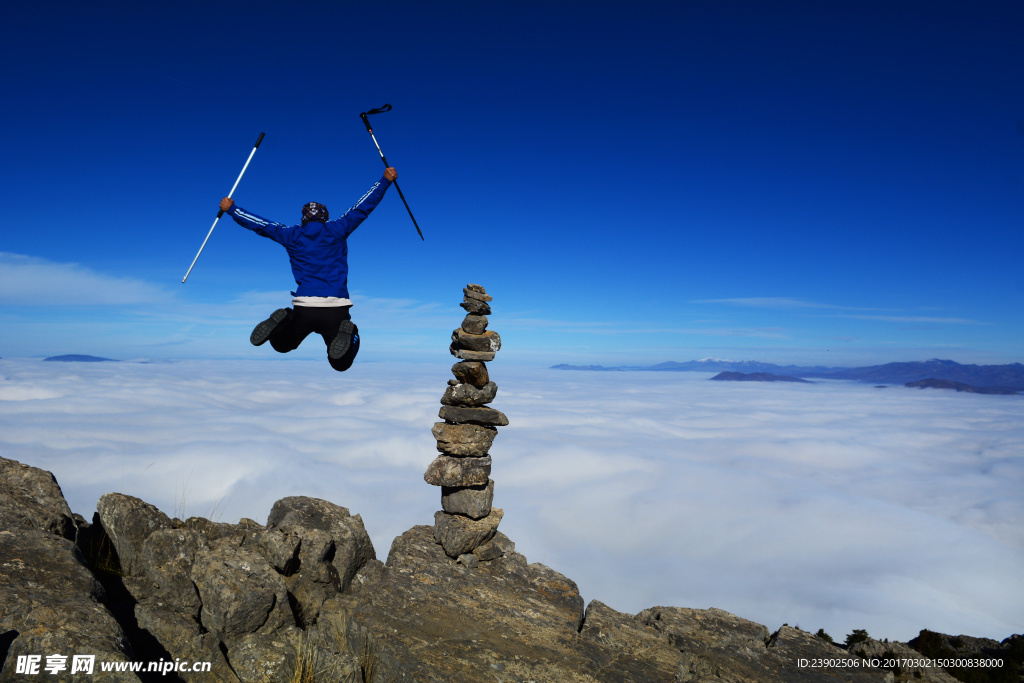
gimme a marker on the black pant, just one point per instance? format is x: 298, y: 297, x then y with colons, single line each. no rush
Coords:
x: 325, y: 321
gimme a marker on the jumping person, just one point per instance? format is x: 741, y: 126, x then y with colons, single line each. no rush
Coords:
x: 318, y: 249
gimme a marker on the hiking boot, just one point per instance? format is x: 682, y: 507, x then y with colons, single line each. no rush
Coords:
x: 340, y: 345
x: 262, y: 332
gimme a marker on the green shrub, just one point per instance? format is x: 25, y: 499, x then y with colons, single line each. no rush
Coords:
x: 859, y: 635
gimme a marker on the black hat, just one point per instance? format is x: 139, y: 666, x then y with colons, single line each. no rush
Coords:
x: 314, y: 212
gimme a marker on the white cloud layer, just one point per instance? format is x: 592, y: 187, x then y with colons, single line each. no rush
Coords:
x: 31, y: 281
x: 832, y: 505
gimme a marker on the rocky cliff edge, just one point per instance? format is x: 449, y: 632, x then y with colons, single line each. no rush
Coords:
x: 305, y: 594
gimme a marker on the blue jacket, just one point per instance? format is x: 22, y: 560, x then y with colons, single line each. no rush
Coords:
x: 318, y: 251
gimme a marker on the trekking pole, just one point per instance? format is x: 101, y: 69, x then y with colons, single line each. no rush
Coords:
x: 366, y: 121
x: 221, y: 213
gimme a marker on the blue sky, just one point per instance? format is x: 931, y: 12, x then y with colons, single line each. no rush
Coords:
x: 835, y: 183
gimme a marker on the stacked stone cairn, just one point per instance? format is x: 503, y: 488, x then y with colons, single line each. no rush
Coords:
x: 467, y: 525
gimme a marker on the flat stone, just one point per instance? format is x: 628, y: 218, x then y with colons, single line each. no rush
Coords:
x: 471, y: 372
x: 459, y: 535
x: 474, y: 415
x: 449, y: 471
x: 476, y: 307
x: 474, y: 324
x: 470, y: 560
x: 468, y: 395
x: 471, y: 501
x: 476, y: 288
x: 477, y: 295
x: 486, y: 552
x: 465, y: 354
x: 504, y: 544
x: 488, y: 341
x: 464, y: 439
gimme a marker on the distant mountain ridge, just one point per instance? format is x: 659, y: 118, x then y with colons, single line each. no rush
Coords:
x: 957, y: 386
x: 727, y: 376
x: 1009, y: 376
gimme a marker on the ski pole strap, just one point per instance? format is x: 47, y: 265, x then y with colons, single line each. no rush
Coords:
x: 381, y: 110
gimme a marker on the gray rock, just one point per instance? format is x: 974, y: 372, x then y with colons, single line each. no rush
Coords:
x: 463, y: 439
x: 352, y: 545
x: 37, y: 563
x: 485, y: 552
x: 423, y: 616
x: 476, y: 294
x: 470, y: 355
x: 473, y: 415
x: 464, y: 471
x: 505, y: 544
x: 476, y: 307
x: 459, y: 535
x: 468, y: 395
x: 316, y: 549
x: 627, y: 649
x: 240, y: 592
x: 470, y: 501
x: 266, y: 658
x: 431, y: 619
x: 489, y: 341
x: 128, y: 522
x: 238, y: 534
x: 317, y: 579
x: 469, y: 560
x: 324, y: 653
x: 331, y: 546
x: 788, y: 646
x: 471, y: 372
x: 281, y: 550
x: 370, y: 573
x: 718, y: 645
x: 712, y: 641
x: 474, y: 324
x: 945, y: 646
x: 166, y: 561
x: 181, y: 638
x: 30, y: 497
x: 875, y: 649
x: 52, y: 602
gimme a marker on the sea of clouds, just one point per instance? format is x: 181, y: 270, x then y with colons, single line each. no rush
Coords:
x: 832, y: 505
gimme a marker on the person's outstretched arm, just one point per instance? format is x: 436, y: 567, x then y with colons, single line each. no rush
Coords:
x: 250, y: 221
x: 367, y: 203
